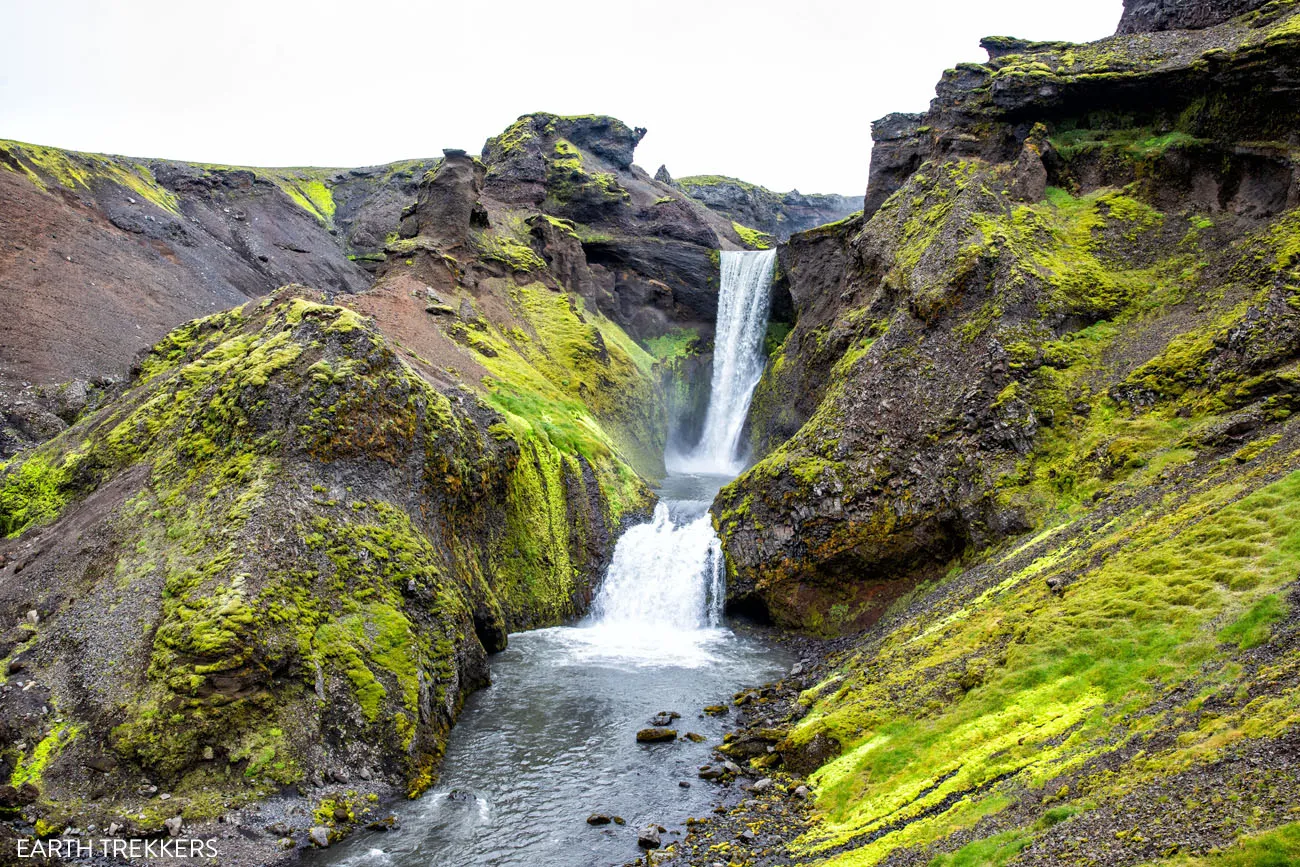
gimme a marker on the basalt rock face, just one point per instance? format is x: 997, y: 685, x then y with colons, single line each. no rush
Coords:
x: 652, y: 251
x: 777, y: 214
x: 1207, y: 85
x: 1151, y: 16
x: 1056, y: 198
x: 104, y: 255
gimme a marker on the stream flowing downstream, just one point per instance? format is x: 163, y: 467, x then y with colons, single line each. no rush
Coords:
x: 553, y: 739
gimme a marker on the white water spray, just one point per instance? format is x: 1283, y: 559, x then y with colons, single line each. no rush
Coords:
x: 664, y: 576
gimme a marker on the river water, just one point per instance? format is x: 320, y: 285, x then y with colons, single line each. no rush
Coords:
x: 553, y: 740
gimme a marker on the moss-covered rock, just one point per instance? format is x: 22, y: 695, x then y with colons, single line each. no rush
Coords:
x: 294, y: 552
x: 988, y: 350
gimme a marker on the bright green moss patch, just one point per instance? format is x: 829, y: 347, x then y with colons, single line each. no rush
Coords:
x: 675, y: 344
x: 992, y: 852
x: 32, y: 765
x: 714, y: 181
x: 32, y: 493
x: 1134, y: 143
x: 73, y: 169
x: 377, y: 636
x: 1255, y: 626
x: 753, y: 238
x: 579, y: 380
x: 1023, y: 682
x: 508, y: 250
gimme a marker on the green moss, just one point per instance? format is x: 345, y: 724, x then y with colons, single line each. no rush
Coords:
x: 568, y: 180
x: 1130, y: 628
x: 33, y: 492
x: 753, y: 238
x: 991, y: 852
x: 715, y: 181
x: 776, y: 334
x: 30, y: 767
x: 579, y: 381
x: 675, y: 344
x: 1255, y: 626
x: 378, y: 637
x: 519, y: 257
x: 45, y: 166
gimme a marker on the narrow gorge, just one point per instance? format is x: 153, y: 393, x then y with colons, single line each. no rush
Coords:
x: 524, y: 507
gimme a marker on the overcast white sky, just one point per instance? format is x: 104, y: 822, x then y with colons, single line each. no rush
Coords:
x: 778, y: 93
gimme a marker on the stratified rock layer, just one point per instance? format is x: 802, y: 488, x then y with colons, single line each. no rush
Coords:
x: 1151, y: 16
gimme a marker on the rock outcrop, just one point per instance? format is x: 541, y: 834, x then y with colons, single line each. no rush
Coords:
x: 651, y: 251
x: 283, y: 553
x: 104, y: 255
x: 758, y: 208
x: 1152, y: 16
x: 1032, y: 447
x: 1057, y: 197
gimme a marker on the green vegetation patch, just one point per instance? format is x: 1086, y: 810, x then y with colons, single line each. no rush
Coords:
x: 753, y: 238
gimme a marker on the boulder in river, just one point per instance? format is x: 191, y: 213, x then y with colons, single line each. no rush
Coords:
x: 665, y: 718
x: 656, y: 735
x: 716, y: 709
x: 649, y: 838
x: 599, y: 819
x: 320, y: 835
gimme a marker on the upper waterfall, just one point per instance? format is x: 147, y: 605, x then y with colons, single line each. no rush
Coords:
x: 743, y: 304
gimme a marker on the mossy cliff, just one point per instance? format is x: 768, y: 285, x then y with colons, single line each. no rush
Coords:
x: 573, y: 315
x: 1032, y: 439
x: 1038, y: 310
x: 282, y: 553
